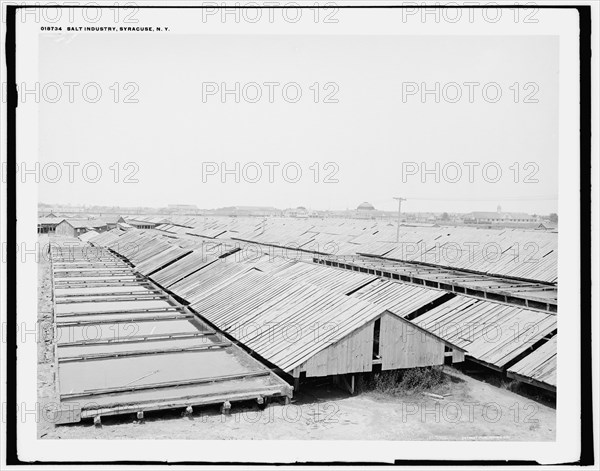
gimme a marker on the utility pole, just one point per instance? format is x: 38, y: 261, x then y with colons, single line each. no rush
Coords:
x: 400, y: 200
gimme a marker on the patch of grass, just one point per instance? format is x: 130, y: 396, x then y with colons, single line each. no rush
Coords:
x: 409, y: 381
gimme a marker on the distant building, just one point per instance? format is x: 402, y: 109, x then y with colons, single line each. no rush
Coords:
x: 498, y: 217
x: 260, y: 211
x: 429, y: 218
x: 112, y: 220
x: 72, y: 227
x: 299, y: 212
x: 366, y: 210
x: 547, y: 226
x: 183, y: 208
x: 365, y: 207
x: 124, y: 226
x: 156, y: 220
x: 47, y: 224
x: 139, y: 224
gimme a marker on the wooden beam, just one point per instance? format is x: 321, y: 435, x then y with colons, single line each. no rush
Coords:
x: 149, y: 297
x: 97, y: 283
x: 92, y: 274
x: 109, y: 284
x: 123, y: 311
x: 134, y: 353
x: 170, y: 384
x: 109, y: 294
x: 184, y: 402
x: 532, y: 381
x: 126, y: 320
x: 141, y: 338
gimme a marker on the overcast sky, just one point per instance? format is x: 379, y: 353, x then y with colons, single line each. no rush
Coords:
x: 370, y: 135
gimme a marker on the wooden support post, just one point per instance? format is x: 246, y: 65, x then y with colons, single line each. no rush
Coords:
x: 140, y: 415
x: 296, y: 384
x: 349, y: 385
x: 97, y: 421
x: 226, y: 408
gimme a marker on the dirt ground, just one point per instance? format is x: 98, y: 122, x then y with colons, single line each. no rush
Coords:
x: 474, y: 411
x: 46, y: 367
x: 469, y: 410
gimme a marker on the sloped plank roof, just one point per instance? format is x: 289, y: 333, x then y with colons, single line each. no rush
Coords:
x: 490, y: 332
x: 284, y: 319
x: 540, y: 365
x: 400, y: 298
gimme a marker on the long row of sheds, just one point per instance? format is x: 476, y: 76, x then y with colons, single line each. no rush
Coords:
x: 512, y: 253
x: 75, y: 227
x: 312, y: 320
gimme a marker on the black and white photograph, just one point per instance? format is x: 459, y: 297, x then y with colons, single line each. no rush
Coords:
x: 299, y: 234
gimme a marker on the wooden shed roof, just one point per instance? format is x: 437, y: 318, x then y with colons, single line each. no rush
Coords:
x: 490, y: 332
x: 284, y: 321
x: 539, y: 366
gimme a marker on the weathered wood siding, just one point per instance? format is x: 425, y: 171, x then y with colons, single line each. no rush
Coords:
x: 458, y: 356
x: 65, y: 229
x: 401, y: 345
x: 352, y: 354
x: 404, y: 346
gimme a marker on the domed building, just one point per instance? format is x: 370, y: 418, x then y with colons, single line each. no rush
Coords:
x: 365, y: 207
x: 299, y: 212
x: 366, y: 211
